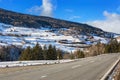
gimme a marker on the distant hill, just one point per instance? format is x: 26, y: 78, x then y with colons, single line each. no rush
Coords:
x: 25, y: 20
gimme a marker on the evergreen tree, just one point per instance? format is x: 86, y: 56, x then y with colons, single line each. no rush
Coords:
x: 45, y: 52
x: 26, y: 54
x: 37, y: 52
x: 112, y: 47
x: 3, y: 54
x: 51, y: 53
x: 54, y: 53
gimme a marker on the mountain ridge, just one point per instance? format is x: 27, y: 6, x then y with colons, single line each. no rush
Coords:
x: 8, y: 12
x: 25, y: 20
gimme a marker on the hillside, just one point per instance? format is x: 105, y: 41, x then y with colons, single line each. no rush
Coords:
x: 22, y: 31
x: 18, y: 19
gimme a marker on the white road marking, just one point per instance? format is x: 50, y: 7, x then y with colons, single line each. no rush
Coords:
x: 92, y: 61
x: 44, y: 76
x: 76, y: 66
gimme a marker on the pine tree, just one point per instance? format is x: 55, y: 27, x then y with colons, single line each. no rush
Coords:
x: 51, y: 53
x: 4, y: 54
x: 54, y: 53
x: 112, y: 47
x: 26, y: 54
x: 45, y: 52
x: 37, y: 52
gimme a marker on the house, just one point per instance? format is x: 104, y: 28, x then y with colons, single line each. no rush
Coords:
x: 118, y: 39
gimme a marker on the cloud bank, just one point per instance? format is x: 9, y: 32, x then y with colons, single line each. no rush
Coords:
x: 46, y: 9
x: 111, y: 22
x: 35, y: 10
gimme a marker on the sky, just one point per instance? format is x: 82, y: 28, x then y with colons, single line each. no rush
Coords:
x: 104, y: 14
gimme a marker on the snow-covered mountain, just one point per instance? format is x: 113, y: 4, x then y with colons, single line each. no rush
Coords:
x: 26, y: 30
x: 24, y: 37
x: 31, y: 21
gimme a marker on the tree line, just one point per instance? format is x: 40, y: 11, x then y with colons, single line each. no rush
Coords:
x: 13, y: 53
x: 10, y: 53
x: 112, y: 47
x: 39, y: 53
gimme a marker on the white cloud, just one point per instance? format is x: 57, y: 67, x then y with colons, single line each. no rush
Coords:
x: 74, y: 17
x: 35, y: 10
x: 111, y: 22
x: 46, y: 9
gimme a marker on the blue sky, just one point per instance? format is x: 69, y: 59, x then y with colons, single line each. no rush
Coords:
x: 87, y: 11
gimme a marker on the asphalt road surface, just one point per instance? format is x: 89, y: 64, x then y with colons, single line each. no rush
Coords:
x: 91, y: 68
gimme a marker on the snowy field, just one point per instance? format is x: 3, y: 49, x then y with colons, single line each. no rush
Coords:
x: 31, y: 63
x: 24, y: 37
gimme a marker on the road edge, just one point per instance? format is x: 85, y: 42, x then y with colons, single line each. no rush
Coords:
x: 106, y: 75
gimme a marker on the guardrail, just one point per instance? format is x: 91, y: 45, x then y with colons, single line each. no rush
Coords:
x: 107, y: 75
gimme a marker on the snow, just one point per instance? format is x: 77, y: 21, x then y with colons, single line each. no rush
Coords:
x: 30, y: 36
x: 3, y: 44
x: 102, y: 40
x: 24, y: 37
x: 29, y: 63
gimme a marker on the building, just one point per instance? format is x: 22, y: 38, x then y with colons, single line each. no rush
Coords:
x: 118, y: 39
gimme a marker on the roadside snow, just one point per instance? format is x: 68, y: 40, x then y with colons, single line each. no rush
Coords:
x: 31, y: 63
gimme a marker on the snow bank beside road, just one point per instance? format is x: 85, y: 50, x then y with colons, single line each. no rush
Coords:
x: 31, y: 63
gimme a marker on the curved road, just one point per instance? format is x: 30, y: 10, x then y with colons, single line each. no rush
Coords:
x: 91, y: 68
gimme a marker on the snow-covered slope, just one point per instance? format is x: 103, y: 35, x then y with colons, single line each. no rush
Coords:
x: 21, y: 36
